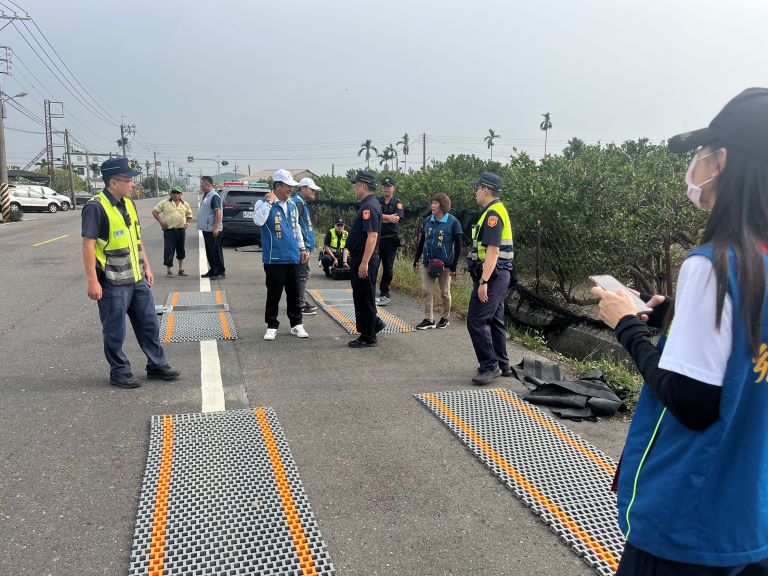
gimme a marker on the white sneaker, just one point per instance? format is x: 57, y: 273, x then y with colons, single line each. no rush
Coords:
x: 270, y: 334
x: 382, y: 300
x: 299, y: 331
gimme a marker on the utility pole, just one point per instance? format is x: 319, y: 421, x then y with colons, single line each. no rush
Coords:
x: 146, y: 165
x: 69, y: 167
x: 333, y: 170
x: 157, y: 185
x: 170, y: 174
x: 424, y: 152
x: 87, y: 174
x: 125, y: 129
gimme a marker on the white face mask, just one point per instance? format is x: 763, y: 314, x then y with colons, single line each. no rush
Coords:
x: 694, y: 190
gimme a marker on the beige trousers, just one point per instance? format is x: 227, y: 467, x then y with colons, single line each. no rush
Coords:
x: 427, y: 286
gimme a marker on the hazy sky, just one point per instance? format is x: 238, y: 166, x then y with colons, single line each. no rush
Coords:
x: 301, y: 84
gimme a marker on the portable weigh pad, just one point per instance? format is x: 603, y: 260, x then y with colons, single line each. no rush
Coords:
x: 222, y: 495
x: 337, y: 303
x: 196, y: 316
x: 559, y: 476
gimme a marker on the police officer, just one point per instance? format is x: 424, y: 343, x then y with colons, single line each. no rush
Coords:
x: 490, y: 265
x: 392, y: 214
x: 335, y: 251
x: 119, y: 276
x: 307, y: 192
x: 364, y: 259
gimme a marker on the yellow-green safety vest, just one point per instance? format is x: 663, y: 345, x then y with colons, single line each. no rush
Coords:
x: 506, y: 250
x: 120, y: 257
x: 335, y: 239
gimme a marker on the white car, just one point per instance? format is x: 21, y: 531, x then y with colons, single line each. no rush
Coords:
x: 37, y: 198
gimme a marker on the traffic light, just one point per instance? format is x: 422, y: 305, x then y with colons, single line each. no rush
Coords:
x: 190, y: 158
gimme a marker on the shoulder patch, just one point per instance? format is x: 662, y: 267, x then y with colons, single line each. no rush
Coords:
x: 399, y: 206
x: 493, y: 221
x: 366, y: 214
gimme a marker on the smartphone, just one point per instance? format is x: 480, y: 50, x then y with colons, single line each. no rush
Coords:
x: 609, y: 283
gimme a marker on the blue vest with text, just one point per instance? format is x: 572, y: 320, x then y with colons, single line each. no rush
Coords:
x: 305, y: 221
x: 702, y: 497
x: 278, y: 242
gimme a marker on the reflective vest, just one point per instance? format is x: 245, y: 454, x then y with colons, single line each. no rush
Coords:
x: 119, y: 258
x: 335, y: 239
x: 506, y: 250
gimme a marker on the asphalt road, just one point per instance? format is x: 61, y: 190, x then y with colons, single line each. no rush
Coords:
x: 393, y: 491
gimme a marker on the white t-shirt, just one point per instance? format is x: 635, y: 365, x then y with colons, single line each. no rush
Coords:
x: 695, y: 348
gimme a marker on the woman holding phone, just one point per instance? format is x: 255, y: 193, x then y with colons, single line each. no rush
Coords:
x: 693, y: 479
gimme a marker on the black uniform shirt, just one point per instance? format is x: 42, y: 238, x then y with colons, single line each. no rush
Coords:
x: 395, y: 206
x: 367, y: 219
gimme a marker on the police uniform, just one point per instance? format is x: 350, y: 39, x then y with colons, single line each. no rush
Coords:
x: 367, y: 219
x: 485, y: 321
x: 114, y: 225
x: 390, y: 239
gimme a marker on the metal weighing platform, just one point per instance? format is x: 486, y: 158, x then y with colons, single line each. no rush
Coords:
x: 222, y: 496
x: 337, y: 303
x: 560, y: 477
x: 196, y: 316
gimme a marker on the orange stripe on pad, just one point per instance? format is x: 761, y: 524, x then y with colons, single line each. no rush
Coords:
x: 568, y: 523
x: 175, y: 299
x: 169, y: 330
x: 225, y: 325
x: 607, y: 466
x: 394, y: 320
x: 333, y: 311
x: 303, y: 551
x: 317, y: 295
x: 160, y: 522
x: 219, y: 299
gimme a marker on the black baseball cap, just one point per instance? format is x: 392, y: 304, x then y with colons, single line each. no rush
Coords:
x: 742, y: 125
x: 117, y: 167
x: 489, y: 180
x: 365, y: 177
x: 388, y: 182
x: 339, y: 221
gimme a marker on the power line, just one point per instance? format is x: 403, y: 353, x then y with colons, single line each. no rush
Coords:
x: 72, y: 73
x: 67, y: 88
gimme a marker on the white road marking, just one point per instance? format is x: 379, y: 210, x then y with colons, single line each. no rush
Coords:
x: 211, y: 386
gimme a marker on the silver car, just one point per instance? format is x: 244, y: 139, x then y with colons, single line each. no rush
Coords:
x: 30, y: 199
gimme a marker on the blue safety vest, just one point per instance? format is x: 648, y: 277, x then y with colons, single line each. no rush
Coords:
x: 702, y: 497
x: 305, y: 221
x: 278, y: 242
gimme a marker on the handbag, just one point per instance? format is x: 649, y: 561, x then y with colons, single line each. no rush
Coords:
x: 435, y: 268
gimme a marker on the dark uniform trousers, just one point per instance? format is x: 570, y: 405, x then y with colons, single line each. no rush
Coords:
x: 214, y: 253
x: 282, y: 277
x: 636, y: 562
x: 173, y: 243
x: 387, y: 252
x: 364, y: 295
x: 135, y: 301
x: 485, y: 323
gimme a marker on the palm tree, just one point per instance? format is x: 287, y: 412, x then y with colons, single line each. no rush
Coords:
x: 489, y: 140
x: 545, y: 125
x: 404, y: 144
x: 385, y: 157
x: 392, y: 152
x: 95, y: 168
x: 367, y: 147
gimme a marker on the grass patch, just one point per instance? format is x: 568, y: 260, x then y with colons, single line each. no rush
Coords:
x: 15, y: 216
